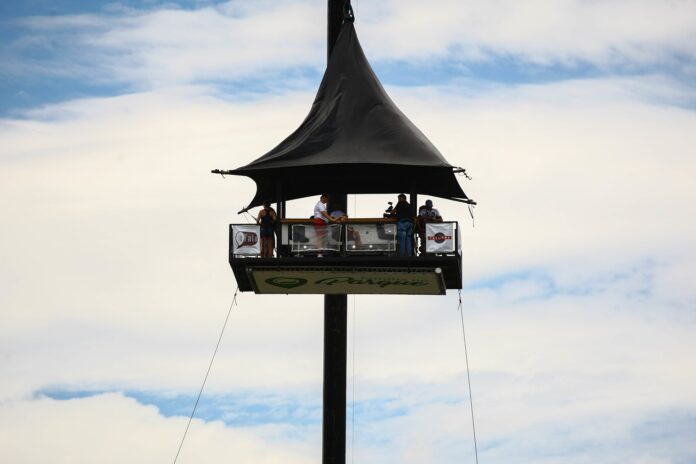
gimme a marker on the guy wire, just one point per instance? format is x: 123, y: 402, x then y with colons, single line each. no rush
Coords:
x: 468, y: 376
x: 205, y: 379
x: 352, y: 404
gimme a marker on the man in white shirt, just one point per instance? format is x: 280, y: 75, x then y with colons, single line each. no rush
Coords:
x: 428, y: 213
x: 321, y: 218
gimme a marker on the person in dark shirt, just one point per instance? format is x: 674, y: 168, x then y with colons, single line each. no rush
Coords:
x: 404, y: 225
x: 266, y: 219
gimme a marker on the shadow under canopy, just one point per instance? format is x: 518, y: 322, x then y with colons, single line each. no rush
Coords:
x: 354, y: 140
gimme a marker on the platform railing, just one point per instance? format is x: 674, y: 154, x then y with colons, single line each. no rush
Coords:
x: 315, y: 239
x: 344, y: 239
x: 363, y: 237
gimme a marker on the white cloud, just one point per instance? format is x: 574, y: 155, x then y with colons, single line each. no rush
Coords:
x: 173, y: 46
x: 565, y: 32
x: 113, y: 429
x: 239, y: 40
x: 115, y: 217
x: 572, y: 169
x: 113, y: 272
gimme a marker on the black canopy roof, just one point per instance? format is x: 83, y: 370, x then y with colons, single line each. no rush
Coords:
x: 354, y: 140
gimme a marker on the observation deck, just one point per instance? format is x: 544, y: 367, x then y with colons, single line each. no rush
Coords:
x: 358, y: 256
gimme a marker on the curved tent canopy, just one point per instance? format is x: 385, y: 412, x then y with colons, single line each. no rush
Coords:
x: 354, y: 140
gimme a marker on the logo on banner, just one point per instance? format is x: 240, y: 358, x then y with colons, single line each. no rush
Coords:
x: 286, y: 282
x: 382, y: 283
x: 246, y: 239
x: 439, y: 237
x: 293, y: 282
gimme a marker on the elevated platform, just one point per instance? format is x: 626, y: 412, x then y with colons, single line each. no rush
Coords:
x: 359, y: 257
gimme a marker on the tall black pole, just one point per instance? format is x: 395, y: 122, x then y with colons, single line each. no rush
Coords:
x: 334, y: 421
x: 335, y: 322
x: 334, y: 20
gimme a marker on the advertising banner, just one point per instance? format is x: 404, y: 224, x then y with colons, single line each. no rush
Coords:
x: 349, y: 281
x: 246, y: 239
x: 439, y: 237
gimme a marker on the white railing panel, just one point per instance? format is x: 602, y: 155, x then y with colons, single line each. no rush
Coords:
x: 308, y: 238
x: 371, y: 238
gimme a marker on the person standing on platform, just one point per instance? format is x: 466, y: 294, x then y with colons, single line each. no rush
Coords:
x: 404, y: 225
x: 321, y: 219
x: 266, y: 219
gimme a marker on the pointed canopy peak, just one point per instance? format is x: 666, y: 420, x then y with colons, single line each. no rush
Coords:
x: 354, y: 140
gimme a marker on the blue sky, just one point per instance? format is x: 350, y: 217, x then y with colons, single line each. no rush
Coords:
x: 578, y: 130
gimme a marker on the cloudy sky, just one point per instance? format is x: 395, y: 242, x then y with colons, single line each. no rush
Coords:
x: 576, y: 120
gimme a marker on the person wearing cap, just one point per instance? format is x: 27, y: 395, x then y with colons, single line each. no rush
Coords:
x: 429, y: 213
x: 426, y: 213
x: 404, y: 225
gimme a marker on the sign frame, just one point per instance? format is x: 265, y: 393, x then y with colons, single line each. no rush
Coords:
x: 313, y: 280
x: 447, y: 231
x: 245, y: 238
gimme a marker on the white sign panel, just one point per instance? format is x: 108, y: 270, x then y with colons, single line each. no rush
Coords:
x: 246, y: 240
x: 439, y: 237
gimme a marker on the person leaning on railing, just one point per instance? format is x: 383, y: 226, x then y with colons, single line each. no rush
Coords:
x: 404, y: 225
x: 340, y: 217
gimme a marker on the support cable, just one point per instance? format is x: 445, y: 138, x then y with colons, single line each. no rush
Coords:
x: 352, y: 404
x: 251, y: 216
x: 468, y: 376
x: 205, y: 379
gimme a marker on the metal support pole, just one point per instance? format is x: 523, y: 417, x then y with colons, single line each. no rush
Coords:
x: 335, y: 322
x: 413, y: 199
x: 334, y: 20
x: 414, y: 212
x: 335, y: 354
x: 280, y: 215
x: 279, y: 227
